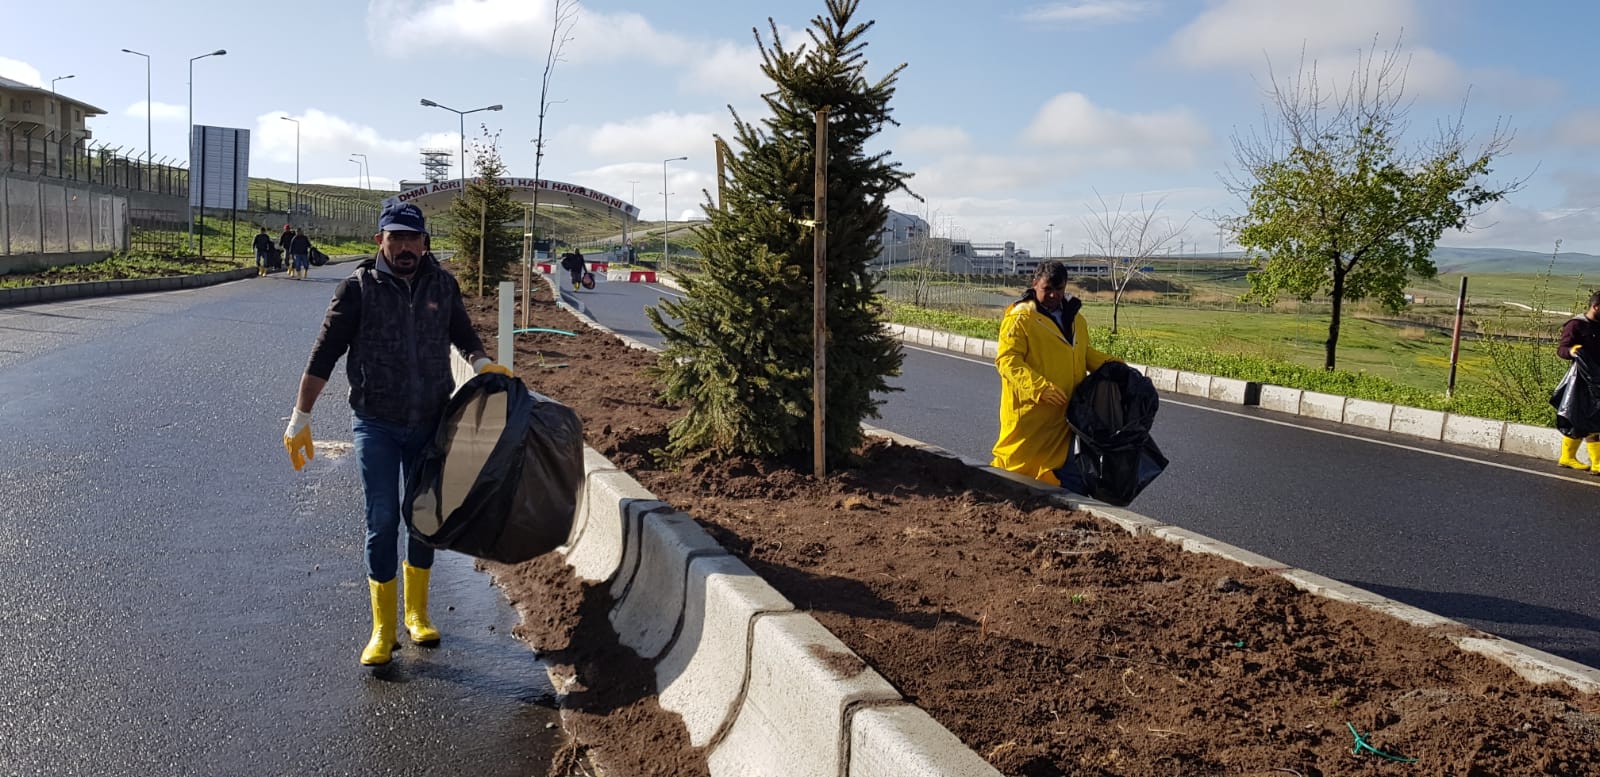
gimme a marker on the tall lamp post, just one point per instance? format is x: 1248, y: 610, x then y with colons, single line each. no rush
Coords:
x: 149, y: 147
x: 58, y: 78
x: 296, y: 167
x: 1049, y: 232
x: 357, y: 163
x: 190, y: 139
x: 365, y: 170
x: 462, y: 117
x: 666, y: 213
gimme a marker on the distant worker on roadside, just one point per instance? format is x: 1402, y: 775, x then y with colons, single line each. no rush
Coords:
x: 1581, y: 333
x: 263, y: 249
x: 1044, y: 354
x: 397, y: 314
x: 300, y: 253
x: 572, y: 262
x: 286, y: 241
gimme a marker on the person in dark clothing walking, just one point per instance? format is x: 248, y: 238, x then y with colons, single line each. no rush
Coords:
x: 397, y: 315
x: 300, y: 249
x: 263, y: 249
x: 572, y: 262
x: 286, y: 240
x: 1581, y: 333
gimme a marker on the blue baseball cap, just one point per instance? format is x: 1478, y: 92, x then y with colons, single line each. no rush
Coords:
x: 402, y: 217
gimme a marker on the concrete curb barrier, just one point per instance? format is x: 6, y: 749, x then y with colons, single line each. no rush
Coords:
x: 794, y: 719
x: 667, y: 543
x: 1483, y: 433
x: 904, y: 741
x: 1532, y: 664
x: 701, y: 676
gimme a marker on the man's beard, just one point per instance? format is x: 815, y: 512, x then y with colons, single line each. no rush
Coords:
x: 404, y: 263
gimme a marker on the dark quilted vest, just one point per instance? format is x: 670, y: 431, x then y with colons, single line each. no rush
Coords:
x: 399, y: 362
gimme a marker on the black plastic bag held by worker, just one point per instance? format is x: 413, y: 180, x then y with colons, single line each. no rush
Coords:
x: 1113, y: 456
x: 500, y: 478
x: 1577, y: 399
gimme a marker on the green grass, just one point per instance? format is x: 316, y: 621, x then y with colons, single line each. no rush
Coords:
x: 118, y: 267
x: 1404, y: 366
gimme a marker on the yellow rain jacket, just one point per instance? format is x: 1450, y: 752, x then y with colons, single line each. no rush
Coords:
x: 1033, y: 355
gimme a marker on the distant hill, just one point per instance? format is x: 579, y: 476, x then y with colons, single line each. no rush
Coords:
x: 1506, y: 260
x: 1478, y: 260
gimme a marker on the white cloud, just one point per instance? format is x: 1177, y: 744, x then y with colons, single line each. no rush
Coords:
x: 1248, y: 34
x: 1239, y: 33
x: 1528, y: 229
x: 933, y: 140
x: 17, y: 70
x: 1581, y: 128
x: 657, y: 136
x: 522, y: 28
x: 161, y: 111
x: 640, y: 184
x: 1070, y: 120
x: 1089, y: 12
x: 320, y: 131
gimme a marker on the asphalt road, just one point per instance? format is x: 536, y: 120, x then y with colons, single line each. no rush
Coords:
x: 1505, y: 543
x: 175, y: 599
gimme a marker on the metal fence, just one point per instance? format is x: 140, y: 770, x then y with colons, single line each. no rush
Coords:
x: 46, y: 217
x: 78, y: 159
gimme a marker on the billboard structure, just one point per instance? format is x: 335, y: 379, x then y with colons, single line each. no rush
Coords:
x: 219, y: 171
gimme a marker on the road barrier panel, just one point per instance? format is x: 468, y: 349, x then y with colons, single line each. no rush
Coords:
x: 1325, y: 407
x: 1280, y: 399
x: 1474, y: 432
x: 702, y: 675
x: 1234, y: 391
x: 1165, y: 379
x: 1417, y: 422
x: 650, y: 607
x: 596, y: 553
x: 779, y: 732
x: 1368, y: 415
x: 1535, y: 441
x: 1194, y: 384
x: 900, y: 740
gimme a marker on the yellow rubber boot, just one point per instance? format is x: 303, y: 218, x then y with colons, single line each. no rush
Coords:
x: 1569, y: 453
x: 422, y: 630
x: 1594, y: 456
x: 385, y: 597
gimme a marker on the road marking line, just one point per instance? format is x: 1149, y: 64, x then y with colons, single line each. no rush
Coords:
x: 665, y: 290
x: 1594, y: 482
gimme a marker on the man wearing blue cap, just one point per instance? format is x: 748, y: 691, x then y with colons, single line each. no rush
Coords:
x: 397, y: 314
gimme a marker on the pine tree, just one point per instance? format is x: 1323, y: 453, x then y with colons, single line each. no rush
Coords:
x: 485, y: 200
x: 739, y: 344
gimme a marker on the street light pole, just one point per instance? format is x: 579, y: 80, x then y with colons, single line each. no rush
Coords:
x: 190, y: 139
x: 149, y: 146
x: 58, y: 78
x: 1049, y: 231
x: 666, y: 213
x: 366, y: 171
x: 296, y: 166
x: 462, y: 131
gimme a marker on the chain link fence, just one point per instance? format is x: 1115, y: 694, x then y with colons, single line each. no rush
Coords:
x: 48, y: 217
x: 78, y: 159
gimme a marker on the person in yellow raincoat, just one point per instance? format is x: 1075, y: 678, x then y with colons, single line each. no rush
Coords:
x: 1044, y: 354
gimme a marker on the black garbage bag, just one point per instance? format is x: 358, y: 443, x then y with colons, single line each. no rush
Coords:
x: 1113, y: 456
x: 500, y: 478
x: 1577, y: 399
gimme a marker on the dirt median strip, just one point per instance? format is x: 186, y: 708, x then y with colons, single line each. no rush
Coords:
x: 1050, y: 641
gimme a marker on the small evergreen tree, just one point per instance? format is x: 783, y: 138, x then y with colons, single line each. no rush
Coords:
x: 739, y: 345
x: 485, y: 201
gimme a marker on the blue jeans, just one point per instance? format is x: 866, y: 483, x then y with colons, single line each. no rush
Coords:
x: 302, y: 261
x: 385, y: 451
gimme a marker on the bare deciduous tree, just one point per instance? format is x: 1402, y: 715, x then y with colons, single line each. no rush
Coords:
x: 565, y: 16
x: 1125, y: 239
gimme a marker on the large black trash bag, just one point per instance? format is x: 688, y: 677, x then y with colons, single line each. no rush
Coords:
x: 1113, y: 456
x: 500, y: 478
x: 1577, y: 398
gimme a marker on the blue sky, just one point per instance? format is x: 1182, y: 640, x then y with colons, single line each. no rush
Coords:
x: 1013, y: 114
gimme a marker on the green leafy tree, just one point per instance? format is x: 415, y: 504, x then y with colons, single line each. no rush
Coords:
x: 482, y: 210
x: 739, y: 344
x: 1337, y: 205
